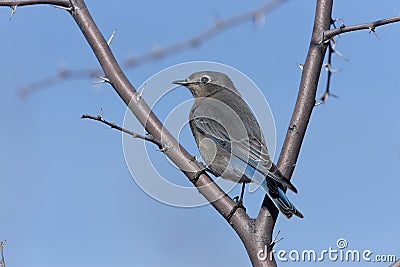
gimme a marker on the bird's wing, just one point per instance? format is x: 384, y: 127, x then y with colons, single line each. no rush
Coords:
x: 250, y: 150
x: 212, y: 129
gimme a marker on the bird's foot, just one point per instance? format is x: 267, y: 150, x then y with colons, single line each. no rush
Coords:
x: 196, y: 177
x: 238, y: 205
x: 203, y: 168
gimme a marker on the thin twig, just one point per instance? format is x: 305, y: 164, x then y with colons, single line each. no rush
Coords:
x: 327, y: 35
x: 2, y: 261
x: 329, y: 70
x: 147, y: 137
x: 10, y: 3
x: 56, y: 78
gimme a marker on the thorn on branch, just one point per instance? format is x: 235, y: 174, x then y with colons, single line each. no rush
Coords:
x: 334, y: 50
x: 301, y: 66
x: 111, y: 37
x: 140, y: 94
x: 275, y: 240
x: 372, y: 29
x: 333, y: 21
x: 328, y: 67
x: 63, y: 72
x: 324, y: 40
x: 157, y: 52
x: 13, y: 10
x: 259, y: 19
x: 164, y: 148
x: 69, y: 9
x: 317, y: 104
x: 102, y: 79
x: 325, y: 96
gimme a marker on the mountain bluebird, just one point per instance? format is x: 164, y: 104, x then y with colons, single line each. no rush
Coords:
x: 230, y: 140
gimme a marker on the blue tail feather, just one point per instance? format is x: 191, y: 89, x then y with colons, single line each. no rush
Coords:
x: 280, y: 199
x: 274, y: 191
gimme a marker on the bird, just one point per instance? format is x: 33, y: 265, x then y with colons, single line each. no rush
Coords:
x: 230, y: 139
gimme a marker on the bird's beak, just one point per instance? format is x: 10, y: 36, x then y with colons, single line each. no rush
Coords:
x: 181, y: 82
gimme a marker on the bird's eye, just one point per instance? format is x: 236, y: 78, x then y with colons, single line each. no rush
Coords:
x: 204, y: 79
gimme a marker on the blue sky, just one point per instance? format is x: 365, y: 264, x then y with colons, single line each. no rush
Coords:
x: 68, y: 198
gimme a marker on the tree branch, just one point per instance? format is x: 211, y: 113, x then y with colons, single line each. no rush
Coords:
x: 328, y: 34
x: 149, y: 137
x: 13, y: 3
x: 2, y: 261
x: 329, y: 70
x: 301, y: 115
x: 396, y: 264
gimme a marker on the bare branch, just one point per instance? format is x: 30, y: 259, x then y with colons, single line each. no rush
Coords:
x: 148, y: 137
x: 11, y: 3
x: 327, y: 92
x: 328, y: 34
x: 56, y: 78
x: 396, y: 264
x: 308, y: 87
x: 301, y: 115
x: 2, y: 261
x: 62, y: 7
x: 180, y: 46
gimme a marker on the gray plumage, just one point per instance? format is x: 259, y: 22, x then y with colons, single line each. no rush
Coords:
x: 230, y: 139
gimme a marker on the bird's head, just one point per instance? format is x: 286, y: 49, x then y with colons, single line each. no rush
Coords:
x: 206, y: 83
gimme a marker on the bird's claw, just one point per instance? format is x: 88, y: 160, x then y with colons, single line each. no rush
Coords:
x: 238, y: 205
x: 196, y: 177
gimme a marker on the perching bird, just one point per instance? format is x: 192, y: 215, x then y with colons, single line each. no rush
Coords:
x: 230, y: 140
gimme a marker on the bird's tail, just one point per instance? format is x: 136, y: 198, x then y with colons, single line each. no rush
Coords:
x: 279, y: 198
